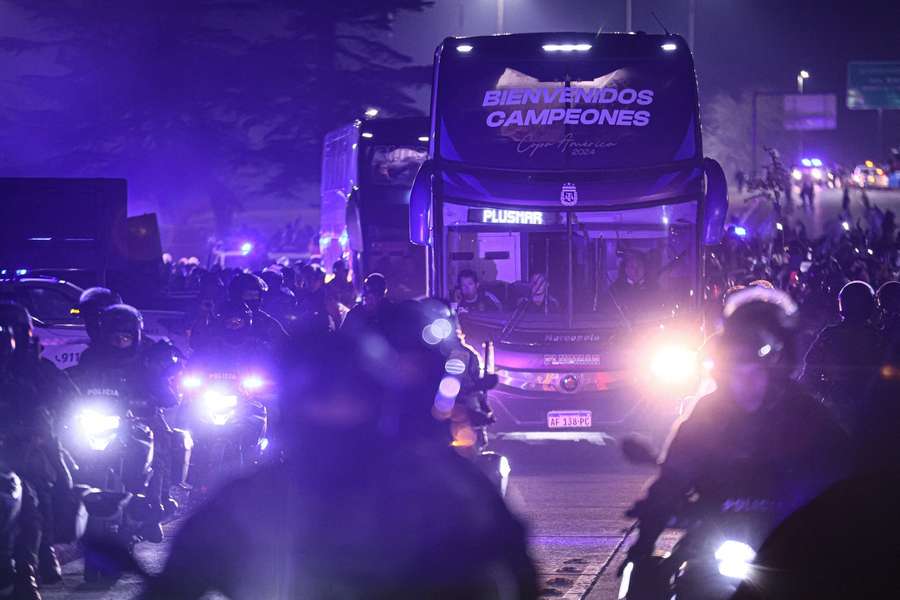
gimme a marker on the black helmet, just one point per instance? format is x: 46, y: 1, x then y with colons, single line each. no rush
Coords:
x: 273, y: 278
x: 856, y: 301
x: 91, y: 304
x: 121, y: 327
x: 306, y: 368
x: 313, y: 273
x: 17, y: 318
x: 247, y: 288
x: 888, y: 298
x: 375, y: 285
x: 759, y: 326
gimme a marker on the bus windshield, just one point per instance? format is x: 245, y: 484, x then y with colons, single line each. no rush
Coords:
x: 556, y: 112
x: 625, y: 267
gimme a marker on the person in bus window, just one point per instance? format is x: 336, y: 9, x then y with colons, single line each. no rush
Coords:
x: 469, y: 295
x: 632, y: 287
x: 540, y: 299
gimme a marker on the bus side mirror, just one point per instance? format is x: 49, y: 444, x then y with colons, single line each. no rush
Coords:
x: 716, y: 202
x: 420, y: 205
x: 353, y: 221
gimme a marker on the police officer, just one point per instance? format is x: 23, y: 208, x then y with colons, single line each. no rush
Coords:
x: 249, y: 289
x: 844, y: 358
x: 91, y: 304
x: 757, y: 435
x: 277, y: 300
x: 368, y: 313
x: 230, y: 338
x: 350, y: 513
x: 32, y: 393
x: 141, y: 371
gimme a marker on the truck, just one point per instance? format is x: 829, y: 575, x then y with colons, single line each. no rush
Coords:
x: 566, y: 171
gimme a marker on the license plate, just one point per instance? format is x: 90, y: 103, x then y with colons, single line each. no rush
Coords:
x: 559, y: 419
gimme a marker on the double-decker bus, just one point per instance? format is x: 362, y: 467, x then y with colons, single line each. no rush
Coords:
x: 566, y: 171
x: 368, y: 168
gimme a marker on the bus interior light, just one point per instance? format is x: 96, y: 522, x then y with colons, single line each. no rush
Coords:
x: 669, y: 46
x: 566, y: 47
x: 464, y: 48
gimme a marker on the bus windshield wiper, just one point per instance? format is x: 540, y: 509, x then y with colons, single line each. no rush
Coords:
x: 514, y: 320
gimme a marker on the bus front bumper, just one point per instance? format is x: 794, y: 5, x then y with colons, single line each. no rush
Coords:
x: 593, y: 416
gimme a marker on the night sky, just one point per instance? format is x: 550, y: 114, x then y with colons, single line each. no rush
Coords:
x: 226, y: 103
x: 740, y: 45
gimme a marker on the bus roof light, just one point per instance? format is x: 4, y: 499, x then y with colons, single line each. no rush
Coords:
x: 669, y: 46
x: 464, y: 48
x: 368, y: 135
x: 566, y: 47
x: 423, y: 138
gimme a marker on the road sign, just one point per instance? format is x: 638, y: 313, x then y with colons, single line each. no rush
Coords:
x: 873, y: 85
x: 810, y: 112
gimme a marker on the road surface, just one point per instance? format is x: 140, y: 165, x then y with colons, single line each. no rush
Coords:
x: 572, y: 499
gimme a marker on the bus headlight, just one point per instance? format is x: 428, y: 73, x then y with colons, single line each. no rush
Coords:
x: 734, y: 559
x: 673, y: 364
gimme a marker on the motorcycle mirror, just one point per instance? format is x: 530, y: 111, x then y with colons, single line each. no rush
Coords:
x: 639, y: 451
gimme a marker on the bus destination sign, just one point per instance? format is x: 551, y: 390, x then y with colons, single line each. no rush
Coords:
x: 504, y: 216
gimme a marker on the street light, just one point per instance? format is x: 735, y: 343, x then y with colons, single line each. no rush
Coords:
x: 802, y: 76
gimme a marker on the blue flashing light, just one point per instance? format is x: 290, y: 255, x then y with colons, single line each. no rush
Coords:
x: 21, y: 272
x: 344, y: 238
x: 246, y: 248
x: 806, y: 162
x: 816, y: 162
x: 740, y: 231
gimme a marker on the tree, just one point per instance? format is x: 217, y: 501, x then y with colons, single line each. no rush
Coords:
x: 727, y: 129
x: 223, y: 99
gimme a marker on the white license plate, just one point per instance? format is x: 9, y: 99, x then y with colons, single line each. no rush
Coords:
x: 559, y: 419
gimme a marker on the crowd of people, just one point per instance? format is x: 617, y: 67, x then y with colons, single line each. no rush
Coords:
x: 366, y: 464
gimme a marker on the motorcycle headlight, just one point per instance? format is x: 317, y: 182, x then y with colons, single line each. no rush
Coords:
x: 252, y: 383
x: 219, y: 406
x: 673, y: 364
x: 734, y: 559
x: 192, y: 381
x: 98, y: 429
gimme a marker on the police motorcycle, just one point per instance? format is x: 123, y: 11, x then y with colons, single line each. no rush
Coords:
x: 721, y: 534
x: 462, y: 395
x: 114, y: 429
x: 224, y: 398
